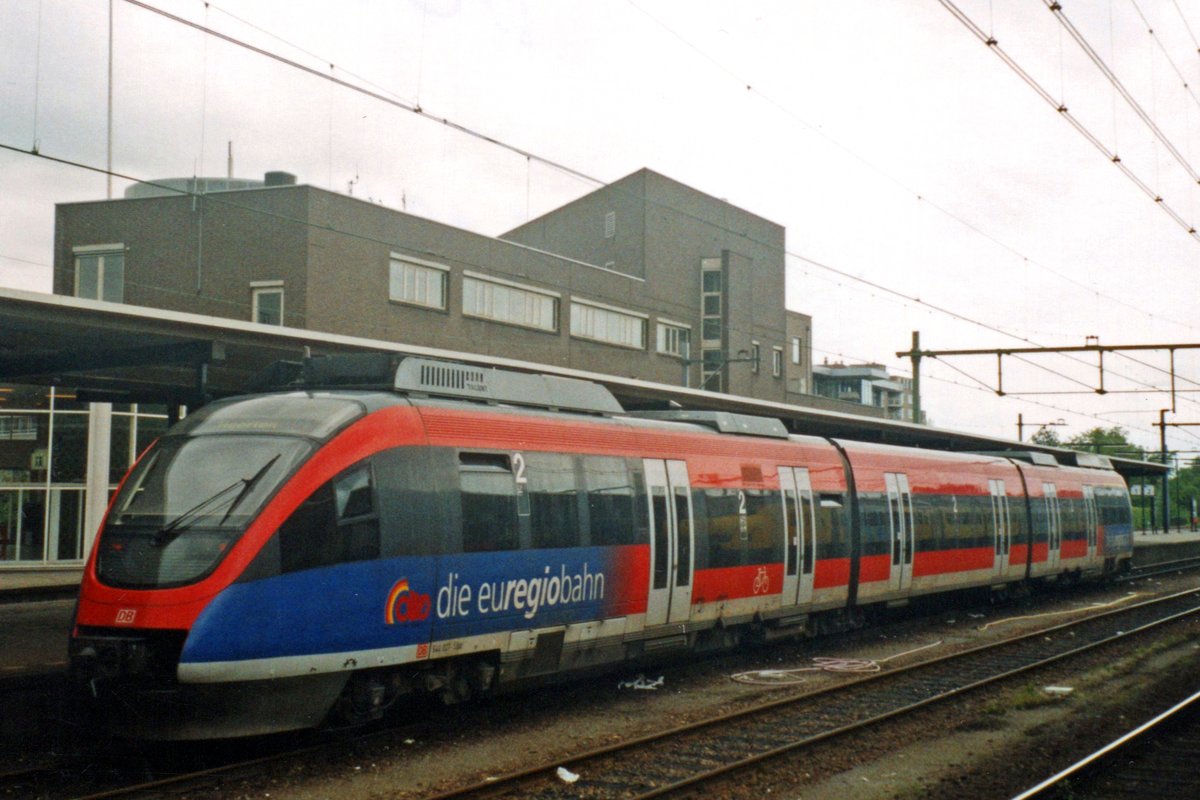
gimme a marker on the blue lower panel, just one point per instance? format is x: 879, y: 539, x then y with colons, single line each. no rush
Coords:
x: 407, y: 601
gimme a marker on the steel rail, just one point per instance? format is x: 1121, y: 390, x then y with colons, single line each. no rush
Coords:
x: 1112, y: 749
x: 509, y: 781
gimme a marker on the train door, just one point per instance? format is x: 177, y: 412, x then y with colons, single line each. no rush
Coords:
x: 671, y: 540
x: 900, y: 518
x: 1053, y: 522
x: 800, y: 545
x: 1001, y: 526
x: 1093, y: 520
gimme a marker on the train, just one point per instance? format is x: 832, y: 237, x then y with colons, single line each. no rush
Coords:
x: 314, y: 554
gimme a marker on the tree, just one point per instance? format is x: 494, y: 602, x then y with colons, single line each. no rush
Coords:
x: 1047, y: 437
x: 1108, y: 441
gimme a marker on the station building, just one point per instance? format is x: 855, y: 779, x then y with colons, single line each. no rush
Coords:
x: 645, y: 278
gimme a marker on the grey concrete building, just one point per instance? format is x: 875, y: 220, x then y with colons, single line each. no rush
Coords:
x: 644, y: 278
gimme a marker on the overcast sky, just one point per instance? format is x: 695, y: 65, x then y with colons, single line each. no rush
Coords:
x: 901, y: 154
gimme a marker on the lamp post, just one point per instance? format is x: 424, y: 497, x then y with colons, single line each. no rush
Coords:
x: 1021, y: 423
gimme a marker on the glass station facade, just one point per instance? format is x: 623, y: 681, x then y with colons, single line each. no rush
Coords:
x: 60, y: 461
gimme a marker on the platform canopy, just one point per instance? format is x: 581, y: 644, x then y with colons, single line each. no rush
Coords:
x: 110, y: 352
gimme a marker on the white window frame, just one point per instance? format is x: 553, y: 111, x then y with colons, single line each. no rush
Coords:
x: 100, y: 251
x: 777, y: 362
x: 415, y: 282
x: 509, y: 303
x: 260, y: 288
x: 755, y: 355
x: 673, y: 333
x: 797, y: 350
x: 598, y: 322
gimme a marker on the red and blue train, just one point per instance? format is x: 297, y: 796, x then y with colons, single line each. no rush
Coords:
x: 281, y: 560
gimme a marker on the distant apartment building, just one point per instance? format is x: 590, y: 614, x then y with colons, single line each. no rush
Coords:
x: 867, y: 385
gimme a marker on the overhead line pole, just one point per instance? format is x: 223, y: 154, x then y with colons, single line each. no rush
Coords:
x: 916, y: 354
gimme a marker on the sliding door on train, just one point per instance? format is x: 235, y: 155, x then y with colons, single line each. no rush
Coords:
x: 671, y: 541
x: 1093, y: 520
x: 900, y: 520
x: 800, y: 546
x: 1001, y: 526
x: 1054, y: 524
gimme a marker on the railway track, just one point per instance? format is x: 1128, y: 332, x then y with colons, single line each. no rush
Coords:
x: 1156, y: 759
x: 104, y: 779
x: 688, y: 758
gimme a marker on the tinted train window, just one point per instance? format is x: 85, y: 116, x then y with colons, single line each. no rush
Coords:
x: 554, y: 500
x: 611, y: 495
x: 764, y: 526
x: 338, y: 523
x: 723, y: 522
x: 488, y: 492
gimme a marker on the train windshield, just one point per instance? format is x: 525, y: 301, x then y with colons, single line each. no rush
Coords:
x: 186, y: 502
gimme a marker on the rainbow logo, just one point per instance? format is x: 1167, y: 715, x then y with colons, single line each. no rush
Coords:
x: 405, y: 605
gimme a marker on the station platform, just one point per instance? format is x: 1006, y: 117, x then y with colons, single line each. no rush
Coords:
x: 1154, y: 547
x: 17, y: 585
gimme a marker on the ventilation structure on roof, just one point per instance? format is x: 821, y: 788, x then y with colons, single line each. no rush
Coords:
x: 489, y: 385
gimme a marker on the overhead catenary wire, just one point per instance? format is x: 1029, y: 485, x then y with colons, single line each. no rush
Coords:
x: 529, y: 156
x: 1065, y: 114
x: 1057, y: 10
x: 921, y: 197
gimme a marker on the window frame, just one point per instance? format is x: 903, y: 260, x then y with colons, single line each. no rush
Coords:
x: 515, y: 290
x: 100, y: 252
x: 681, y: 334
x: 257, y: 290
x: 592, y: 312
x: 420, y: 267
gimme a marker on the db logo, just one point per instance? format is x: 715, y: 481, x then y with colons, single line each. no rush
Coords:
x: 126, y: 616
x: 405, y: 605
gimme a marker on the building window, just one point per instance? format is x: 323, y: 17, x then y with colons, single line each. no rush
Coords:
x: 796, y: 350
x: 777, y: 362
x: 674, y: 339
x: 755, y: 355
x: 100, y: 272
x: 509, y: 303
x: 267, y: 302
x: 417, y: 283
x: 610, y: 225
x: 610, y: 325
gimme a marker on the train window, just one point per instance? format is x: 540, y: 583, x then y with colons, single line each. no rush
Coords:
x: 764, y: 526
x: 723, y: 521
x: 662, y: 537
x: 610, y: 498
x: 489, y: 502
x: 353, y: 493
x: 874, y: 518
x: 335, y: 525
x: 554, y: 500
x: 832, y: 538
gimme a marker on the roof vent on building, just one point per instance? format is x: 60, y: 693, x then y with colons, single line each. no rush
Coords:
x: 278, y: 178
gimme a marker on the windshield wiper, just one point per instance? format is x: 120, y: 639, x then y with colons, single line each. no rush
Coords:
x: 169, y: 531
x: 248, y: 484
